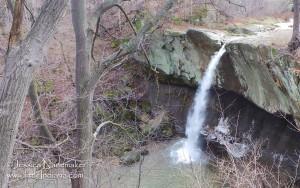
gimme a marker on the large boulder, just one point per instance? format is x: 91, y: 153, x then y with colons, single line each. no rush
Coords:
x: 264, y: 76
x: 260, y: 73
x: 183, y: 56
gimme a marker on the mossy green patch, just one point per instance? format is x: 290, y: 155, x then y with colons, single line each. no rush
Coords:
x: 177, y: 20
x: 45, y: 87
x: 116, y: 43
x: 145, y: 106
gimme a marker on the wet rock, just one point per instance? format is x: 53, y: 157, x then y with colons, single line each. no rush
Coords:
x: 222, y: 134
x: 132, y: 157
x: 262, y: 75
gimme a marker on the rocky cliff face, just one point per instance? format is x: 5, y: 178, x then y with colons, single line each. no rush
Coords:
x: 262, y: 74
x: 256, y: 93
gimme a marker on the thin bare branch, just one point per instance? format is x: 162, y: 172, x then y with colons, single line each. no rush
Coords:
x: 132, y: 45
x: 50, y: 146
x: 98, y: 24
x: 237, y: 4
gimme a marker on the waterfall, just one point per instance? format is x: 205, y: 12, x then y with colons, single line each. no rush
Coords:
x: 189, y: 150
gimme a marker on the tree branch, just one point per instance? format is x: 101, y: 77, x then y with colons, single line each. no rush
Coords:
x: 98, y: 23
x: 100, y: 10
x: 96, y: 133
x: 236, y: 4
x: 222, y: 12
x: 132, y: 45
x: 50, y: 146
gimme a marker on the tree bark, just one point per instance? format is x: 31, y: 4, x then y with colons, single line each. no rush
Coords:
x: 15, y: 37
x: 84, y: 97
x: 5, y: 17
x: 18, y: 72
x: 295, y: 40
x: 10, y: 6
x: 37, y: 111
x: 16, y: 29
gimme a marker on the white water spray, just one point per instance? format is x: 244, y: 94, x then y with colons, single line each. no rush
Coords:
x: 189, y: 151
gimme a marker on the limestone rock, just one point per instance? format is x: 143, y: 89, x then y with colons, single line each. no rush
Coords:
x: 182, y: 56
x: 258, y: 72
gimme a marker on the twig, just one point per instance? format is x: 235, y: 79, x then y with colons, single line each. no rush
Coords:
x: 112, y: 123
x: 131, y: 25
x: 133, y: 44
x: 236, y: 4
x: 50, y: 146
x: 140, y: 172
x: 106, y: 31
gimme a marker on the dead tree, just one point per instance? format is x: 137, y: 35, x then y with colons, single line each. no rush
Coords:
x: 86, y: 79
x: 20, y: 63
x: 295, y: 40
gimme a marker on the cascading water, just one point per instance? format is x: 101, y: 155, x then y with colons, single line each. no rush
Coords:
x: 189, y: 150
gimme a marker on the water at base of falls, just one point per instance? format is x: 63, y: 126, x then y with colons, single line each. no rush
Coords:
x: 188, y: 150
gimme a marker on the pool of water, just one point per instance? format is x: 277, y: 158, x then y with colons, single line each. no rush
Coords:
x: 157, y: 171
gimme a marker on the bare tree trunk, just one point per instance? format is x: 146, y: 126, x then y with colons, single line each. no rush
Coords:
x: 86, y: 80
x: 16, y: 29
x: 84, y: 97
x: 15, y: 37
x: 37, y: 111
x: 20, y: 64
x: 295, y: 41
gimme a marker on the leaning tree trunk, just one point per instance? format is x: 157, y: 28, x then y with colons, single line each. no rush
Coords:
x: 295, y: 41
x: 15, y: 37
x: 16, y: 29
x: 37, y: 112
x: 84, y: 97
x: 19, y: 67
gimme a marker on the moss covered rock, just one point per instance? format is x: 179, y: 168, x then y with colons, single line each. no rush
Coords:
x: 130, y: 157
x: 181, y: 57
